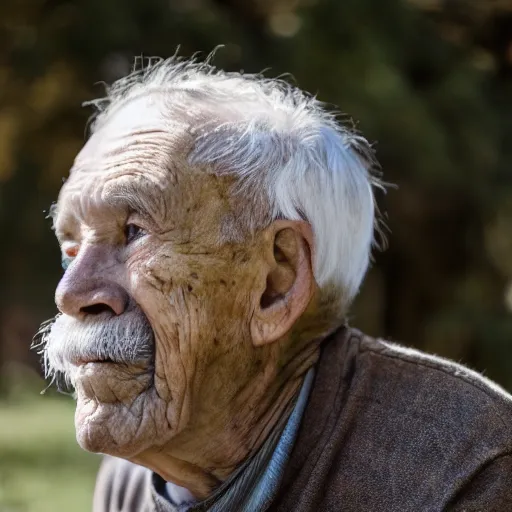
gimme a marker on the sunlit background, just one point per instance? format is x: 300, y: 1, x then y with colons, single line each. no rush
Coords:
x: 429, y: 81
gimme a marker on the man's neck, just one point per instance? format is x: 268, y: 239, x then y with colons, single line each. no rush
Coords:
x: 201, y: 459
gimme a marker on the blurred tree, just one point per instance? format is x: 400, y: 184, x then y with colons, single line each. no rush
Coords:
x: 429, y: 80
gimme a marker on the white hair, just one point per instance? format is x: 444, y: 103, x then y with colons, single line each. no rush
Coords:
x: 287, y: 151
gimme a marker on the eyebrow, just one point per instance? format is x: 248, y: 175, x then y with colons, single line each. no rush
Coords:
x: 143, y: 198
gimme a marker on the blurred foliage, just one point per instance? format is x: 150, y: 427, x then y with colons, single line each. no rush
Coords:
x: 429, y: 80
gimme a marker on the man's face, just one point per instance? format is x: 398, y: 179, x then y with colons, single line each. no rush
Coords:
x: 149, y: 335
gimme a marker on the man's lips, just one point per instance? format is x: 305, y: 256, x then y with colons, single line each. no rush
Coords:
x: 90, y: 360
x: 81, y: 361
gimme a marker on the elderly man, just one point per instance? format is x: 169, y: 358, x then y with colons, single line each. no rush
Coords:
x: 214, y: 229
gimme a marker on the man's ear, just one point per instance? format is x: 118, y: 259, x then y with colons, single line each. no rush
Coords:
x: 290, y: 283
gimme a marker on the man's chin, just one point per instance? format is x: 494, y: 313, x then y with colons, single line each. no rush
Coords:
x: 114, y: 409
x: 109, y: 429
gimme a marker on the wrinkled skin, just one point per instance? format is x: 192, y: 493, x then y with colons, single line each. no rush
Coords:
x: 232, y: 318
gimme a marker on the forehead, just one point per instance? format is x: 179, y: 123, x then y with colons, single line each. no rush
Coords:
x: 137, y: 145
x: 136, y: 131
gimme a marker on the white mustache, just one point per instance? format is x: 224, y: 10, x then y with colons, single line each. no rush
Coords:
x: 67, y: 342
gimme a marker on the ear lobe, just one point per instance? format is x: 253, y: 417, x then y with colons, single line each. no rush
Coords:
x: 290, y: 283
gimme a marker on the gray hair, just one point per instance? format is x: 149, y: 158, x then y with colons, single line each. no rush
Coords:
x: 283, y: 147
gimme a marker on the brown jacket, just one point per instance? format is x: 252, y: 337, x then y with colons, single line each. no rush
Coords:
x: 386, y: 429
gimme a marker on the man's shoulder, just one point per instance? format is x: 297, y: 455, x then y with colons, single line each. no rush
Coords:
x: 396, y: 429
x: 444, y: 409
x: 442, y: 381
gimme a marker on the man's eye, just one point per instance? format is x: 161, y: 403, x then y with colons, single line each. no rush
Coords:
x: 69, y: 254
x: 132, y: 232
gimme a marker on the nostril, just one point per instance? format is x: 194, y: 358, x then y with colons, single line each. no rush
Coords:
x: 97, y: 309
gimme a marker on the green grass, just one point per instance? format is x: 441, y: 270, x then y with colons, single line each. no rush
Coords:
x: 42, y: 469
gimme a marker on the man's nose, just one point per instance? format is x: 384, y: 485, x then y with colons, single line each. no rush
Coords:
x: 84, y: 290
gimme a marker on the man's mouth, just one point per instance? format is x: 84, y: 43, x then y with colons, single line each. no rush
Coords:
x: 140, y: 363
x: 79, y: 361
x: 110, y: 382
